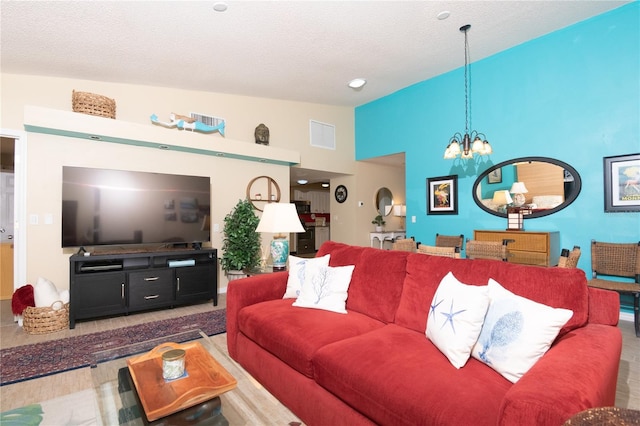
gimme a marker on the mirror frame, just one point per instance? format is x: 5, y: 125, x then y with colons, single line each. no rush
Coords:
x: 567, y: 201
x: 377, y: 200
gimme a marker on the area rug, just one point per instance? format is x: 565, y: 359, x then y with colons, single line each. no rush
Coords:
x: 42, y: 359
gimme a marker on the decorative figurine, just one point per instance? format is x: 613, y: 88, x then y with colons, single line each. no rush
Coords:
x: 187, y: 123
x: 262, y: 134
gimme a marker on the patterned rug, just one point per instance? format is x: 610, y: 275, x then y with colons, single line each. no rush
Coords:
x: 42, y: 359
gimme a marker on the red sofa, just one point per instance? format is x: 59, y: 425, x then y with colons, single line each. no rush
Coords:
x: 374, y: 365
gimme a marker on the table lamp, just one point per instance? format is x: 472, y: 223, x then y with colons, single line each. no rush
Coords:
x: 279, y: 219
x: 502, y: 199
x: 518, y: 190
x: 400, y: 210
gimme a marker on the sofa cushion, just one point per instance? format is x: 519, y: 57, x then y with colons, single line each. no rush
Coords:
x: 376, y: 284
x: 396, y: 376
x: 455, y: 318
x: 424, y: 273
x: 326, y: 288
x: 556, y: 287
x: 293, y: 334
x: 516, y: 332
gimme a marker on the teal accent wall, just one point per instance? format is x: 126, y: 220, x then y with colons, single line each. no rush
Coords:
x: 573, y: 95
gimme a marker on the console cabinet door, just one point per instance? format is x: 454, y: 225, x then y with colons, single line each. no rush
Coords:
x: 196, y: 283
x: 99, y: 294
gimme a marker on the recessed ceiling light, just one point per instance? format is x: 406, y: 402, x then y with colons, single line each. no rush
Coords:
x: 443, y: 15
x: 220, y: 6
x: 325, y: 184
x: 357, y: 83
x: 302, y: 181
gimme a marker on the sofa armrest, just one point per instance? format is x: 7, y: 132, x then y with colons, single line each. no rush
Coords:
x: 604, y: 306
x: 249, y: 291
x: 579, y: 371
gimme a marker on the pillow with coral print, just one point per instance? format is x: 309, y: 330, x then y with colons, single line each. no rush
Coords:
x: 298, y: 269
x: 516, y: 332
x: 326, y: 289
x: 455, y: 318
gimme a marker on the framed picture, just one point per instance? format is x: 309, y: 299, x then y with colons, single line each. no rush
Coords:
x: 495, y: 176
x: 442, y: 195
x: 622, y: 183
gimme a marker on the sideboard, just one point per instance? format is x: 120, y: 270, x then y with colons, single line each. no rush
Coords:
x: 526, y: 247
x: 121, y: 283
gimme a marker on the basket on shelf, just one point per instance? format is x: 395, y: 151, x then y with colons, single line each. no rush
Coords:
x: 46, y: 320
x: 92, y: 104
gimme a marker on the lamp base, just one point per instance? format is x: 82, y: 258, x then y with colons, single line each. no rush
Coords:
x: 279, y: 253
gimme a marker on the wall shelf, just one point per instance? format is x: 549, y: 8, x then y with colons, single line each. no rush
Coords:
x: 83, y: 126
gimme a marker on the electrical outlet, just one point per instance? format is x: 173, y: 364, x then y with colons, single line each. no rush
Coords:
x: 413, y: 219
x: 216, y: 227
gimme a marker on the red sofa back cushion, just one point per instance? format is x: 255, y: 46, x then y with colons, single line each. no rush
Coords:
x: 555, y: 287
x: 377, y: 280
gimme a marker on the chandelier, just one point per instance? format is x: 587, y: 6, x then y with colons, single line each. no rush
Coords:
x: 460, y: 145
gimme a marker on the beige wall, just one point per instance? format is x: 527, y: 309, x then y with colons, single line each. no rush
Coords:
x: 288, y: 123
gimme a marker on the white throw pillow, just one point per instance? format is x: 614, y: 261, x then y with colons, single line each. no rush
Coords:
x: 455, y: 318
x: 299, y: 267
x: 516, y: 332
x: 45, y: 293
x: 326, y: 289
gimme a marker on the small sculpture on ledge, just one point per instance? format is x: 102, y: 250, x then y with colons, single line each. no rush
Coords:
x: 262, y: 134
x: 183, y: 122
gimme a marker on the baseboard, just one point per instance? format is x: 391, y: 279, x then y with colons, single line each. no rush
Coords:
x: 624, y: 316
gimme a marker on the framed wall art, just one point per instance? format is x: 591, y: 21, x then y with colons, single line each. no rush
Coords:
x: 495, y: 176
x: 442, y: 195
x: 622, y: 183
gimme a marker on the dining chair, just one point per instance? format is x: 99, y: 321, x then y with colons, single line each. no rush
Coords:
x: 404, y: 244
x: 453, y: 252
x: 569, y: 259
x: 618, y: 260
x: 450, y: 241
x: 494, y: 250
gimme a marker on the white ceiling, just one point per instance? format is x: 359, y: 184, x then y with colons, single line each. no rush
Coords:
x: 295, y: 50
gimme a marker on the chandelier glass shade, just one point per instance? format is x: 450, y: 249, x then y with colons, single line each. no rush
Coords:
x: 472, y: 142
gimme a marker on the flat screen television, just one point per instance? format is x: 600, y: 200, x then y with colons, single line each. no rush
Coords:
x: 118, y: 207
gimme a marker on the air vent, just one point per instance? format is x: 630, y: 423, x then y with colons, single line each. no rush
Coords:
x: 322, y: 135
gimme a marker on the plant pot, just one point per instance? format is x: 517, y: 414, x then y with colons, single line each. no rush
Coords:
x: 235, y: 275
x: 379, y: 228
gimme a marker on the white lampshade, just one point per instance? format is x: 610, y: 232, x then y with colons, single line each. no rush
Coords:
x: 518, y: 188
x: 400, y: 210
x: 279, y: 218
x: 502, y: 197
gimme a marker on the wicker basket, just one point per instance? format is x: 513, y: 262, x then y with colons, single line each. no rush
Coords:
x: 92, y: 104
x: 46, y: 320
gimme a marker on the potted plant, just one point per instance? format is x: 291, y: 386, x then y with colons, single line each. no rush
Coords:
x: 379, y: 222
x: 241, y: 242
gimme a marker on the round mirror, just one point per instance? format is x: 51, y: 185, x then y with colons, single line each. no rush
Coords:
x: 544, y: 185
x: 384, y: 201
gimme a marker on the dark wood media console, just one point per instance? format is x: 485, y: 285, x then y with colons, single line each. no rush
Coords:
x: 120, y: 283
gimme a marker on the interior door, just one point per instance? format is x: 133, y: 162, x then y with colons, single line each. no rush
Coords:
x: 6, y: 234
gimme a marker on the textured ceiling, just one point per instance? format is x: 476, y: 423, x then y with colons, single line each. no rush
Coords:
x: 296, y: 50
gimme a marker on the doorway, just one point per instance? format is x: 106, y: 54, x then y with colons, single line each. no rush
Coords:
x: 12, y: 211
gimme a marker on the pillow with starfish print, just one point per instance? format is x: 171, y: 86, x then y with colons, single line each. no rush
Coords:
x: 455, y: 318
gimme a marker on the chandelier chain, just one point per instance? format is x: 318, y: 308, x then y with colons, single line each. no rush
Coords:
x: 467, y: 110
